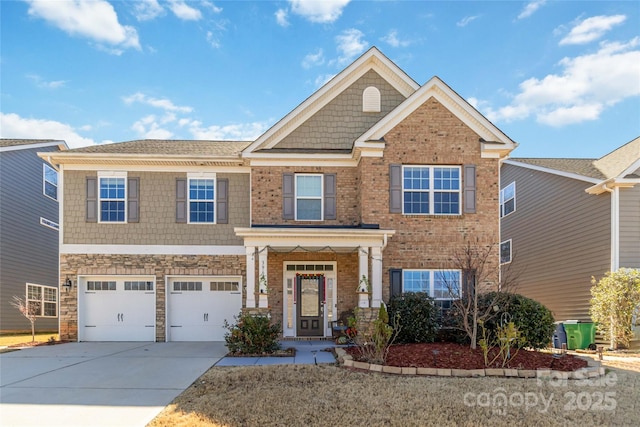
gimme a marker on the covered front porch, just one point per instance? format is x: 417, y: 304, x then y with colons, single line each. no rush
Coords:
x: 306, y: 277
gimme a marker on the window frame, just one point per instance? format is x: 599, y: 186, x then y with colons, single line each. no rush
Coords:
x: 213, y: 201
x: 431, y: 190
x: 296, y: 197
x: 503, y: 201
x: 49, y: 224
x: 45, y: 181
x: 432, y: 281
x: 112, y: 175
x: 508, y: 241
x: 42, y: 301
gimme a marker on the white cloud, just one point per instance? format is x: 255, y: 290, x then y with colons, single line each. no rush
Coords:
x: 184, y: 11
x: 163, y: 103
x: 41, y: 83
x: 213, y: 40
x: 466, y: 20
x: 233, y: 132
x: 322, y: 79
x: 587, y: 86
x: 318, y: 11
x: 281, y: 17
x: 592, y: 29
x: 392, y: 39
x: 148, y: 128
x: 531, y: 8
x: 313, y: 59
x: 94, y: 19
x: 350, y: 45
x: 14, y: 126
x: 212, y: 7
x: 147, y: 10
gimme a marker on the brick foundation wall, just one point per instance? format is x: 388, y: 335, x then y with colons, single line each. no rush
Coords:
x: 159, y: 266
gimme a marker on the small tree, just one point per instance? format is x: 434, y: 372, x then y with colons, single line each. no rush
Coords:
x: 30, y: 310
x: 480, y: 268
x: 614, y: 300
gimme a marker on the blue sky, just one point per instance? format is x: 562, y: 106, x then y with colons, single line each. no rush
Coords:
x: 562, y: 78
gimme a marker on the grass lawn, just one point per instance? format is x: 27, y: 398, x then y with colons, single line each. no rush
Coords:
x: 25, y: 338
x: 307, y: 395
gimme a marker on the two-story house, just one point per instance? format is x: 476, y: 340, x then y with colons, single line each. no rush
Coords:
x: 28, y: 233
x: 372, y: 176
x: 565, y: 221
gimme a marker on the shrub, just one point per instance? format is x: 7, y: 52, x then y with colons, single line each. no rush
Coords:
x: 373, y: 341
x: 615, y: 299
x: 533, y: 320
x: 414, y: 316
x: 252, y: 335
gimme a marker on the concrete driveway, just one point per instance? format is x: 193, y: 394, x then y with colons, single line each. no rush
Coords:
x: 98, y: 384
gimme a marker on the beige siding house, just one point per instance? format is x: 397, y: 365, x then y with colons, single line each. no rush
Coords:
x: 373, y: 176
x: 565, y: 221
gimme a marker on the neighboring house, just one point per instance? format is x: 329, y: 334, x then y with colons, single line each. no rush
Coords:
x: 565, y: 221
x: 28, y: 232
x: 372, y: 175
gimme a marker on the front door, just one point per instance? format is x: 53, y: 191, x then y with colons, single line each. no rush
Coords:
x: 310, y: 304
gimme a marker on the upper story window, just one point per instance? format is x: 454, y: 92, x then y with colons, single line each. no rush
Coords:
x: 309, y: 197
x: 112, y: 198
x: 202, y: 200
x: 49, y: 182
x: 42, y: 300
x: 431, y: 190
x: 508, y: 199
x: 439, y: 284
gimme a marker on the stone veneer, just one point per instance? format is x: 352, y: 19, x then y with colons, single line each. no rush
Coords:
x: 159, y: 266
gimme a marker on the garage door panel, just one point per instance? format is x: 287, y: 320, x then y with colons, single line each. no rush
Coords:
x: 117, y: 309
x: 197, y: 312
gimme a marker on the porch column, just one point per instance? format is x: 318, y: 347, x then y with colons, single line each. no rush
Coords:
x: 376, y: 276
x: 251, y: 276
x: 263, y: 288
x: 363, y: 263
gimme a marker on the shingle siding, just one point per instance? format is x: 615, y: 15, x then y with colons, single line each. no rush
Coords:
x: 157, y: 224
x: 342, y: 120
x: 28, y: 250
x: 561, y: 237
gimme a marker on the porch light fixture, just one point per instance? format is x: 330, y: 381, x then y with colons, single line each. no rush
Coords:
x: 68, y: 284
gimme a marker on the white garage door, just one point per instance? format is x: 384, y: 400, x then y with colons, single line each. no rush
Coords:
x: 198, y: 307
x: 121, y: 308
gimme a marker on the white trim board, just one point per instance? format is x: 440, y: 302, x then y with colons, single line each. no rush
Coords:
x: 152, y: 249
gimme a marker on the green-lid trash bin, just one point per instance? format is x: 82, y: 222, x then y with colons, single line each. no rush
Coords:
x: 580, y: 335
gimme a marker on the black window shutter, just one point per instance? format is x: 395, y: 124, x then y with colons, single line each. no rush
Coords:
x: 395, y: 188
x: 92, y: 199
x: 288, y: 196
x: 395, y: 279
x: 330, y: 196
x: 222, y: 201
x: 133, y: 200
x: 469, y: 188
x: 181, y: 200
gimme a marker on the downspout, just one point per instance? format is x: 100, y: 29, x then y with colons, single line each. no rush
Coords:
x: 615, y: 225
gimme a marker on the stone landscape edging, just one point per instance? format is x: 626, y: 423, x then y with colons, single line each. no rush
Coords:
x: 593, y: 370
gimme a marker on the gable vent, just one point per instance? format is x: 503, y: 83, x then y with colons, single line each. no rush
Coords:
x: 371, y: 100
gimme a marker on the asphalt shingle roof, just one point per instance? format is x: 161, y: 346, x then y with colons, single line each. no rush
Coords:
x: 584, y: 167
x: 7, y: 142
x: 168, y: 147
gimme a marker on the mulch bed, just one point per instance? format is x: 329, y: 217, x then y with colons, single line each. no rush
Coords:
x: 37, y: 343
x: 457, y: 356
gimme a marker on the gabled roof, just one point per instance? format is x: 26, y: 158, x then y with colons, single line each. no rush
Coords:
x: 156, y: 152
x: 492, y: 138
x: 620, y: 161
x: 583, y: 167
x: 9, y: 144
x: 373, y: 59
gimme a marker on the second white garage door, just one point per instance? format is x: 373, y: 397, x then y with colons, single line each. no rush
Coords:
x: 198, y: 306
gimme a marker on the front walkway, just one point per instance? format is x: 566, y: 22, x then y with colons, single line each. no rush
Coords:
x: 307, y: 353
